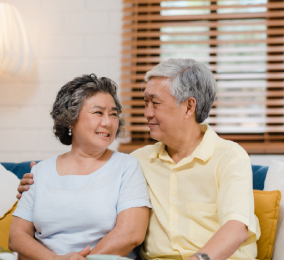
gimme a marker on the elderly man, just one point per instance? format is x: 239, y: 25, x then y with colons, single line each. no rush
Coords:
x: 200, y: 185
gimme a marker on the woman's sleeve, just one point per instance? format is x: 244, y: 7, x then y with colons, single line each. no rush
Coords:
x: 133, y: 188
x: 25, y: 207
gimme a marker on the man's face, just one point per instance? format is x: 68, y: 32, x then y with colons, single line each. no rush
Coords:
x: 164, y: 117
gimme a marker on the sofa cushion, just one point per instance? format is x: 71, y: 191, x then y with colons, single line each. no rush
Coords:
x: 259, y: 174
x: 5, y: 224
x: 278, y: 249
x: 275, y: 181
x: 19, y: 169
x: 8, y: 189
x: 267, y: 212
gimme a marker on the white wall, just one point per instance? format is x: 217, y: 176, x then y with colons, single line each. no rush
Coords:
x: 265, y: 159
x: 69, y: 38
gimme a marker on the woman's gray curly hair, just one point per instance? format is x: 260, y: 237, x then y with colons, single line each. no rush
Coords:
x: 188, y: 78
x: 70, y: 99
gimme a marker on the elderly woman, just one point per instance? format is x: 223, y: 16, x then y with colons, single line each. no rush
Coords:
x: 90, y: 196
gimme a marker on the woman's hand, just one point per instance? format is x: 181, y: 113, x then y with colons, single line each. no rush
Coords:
x: 74, y: 256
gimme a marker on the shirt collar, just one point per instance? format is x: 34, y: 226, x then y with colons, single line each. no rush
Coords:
x: 161, y: 152
x: 204, y: 151
x: 159, y: 149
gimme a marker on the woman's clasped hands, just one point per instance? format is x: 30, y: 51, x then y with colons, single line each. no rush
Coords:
x: 74, y: 256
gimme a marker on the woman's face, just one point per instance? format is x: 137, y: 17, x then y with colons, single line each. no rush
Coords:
x: 97, y: 123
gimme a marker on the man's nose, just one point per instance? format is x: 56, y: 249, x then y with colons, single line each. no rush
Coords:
x: 149, y: 111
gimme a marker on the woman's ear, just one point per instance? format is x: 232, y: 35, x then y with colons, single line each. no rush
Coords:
x: 190, y: 106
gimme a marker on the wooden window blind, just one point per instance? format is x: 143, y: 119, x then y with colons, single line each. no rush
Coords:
x: 242, y: 43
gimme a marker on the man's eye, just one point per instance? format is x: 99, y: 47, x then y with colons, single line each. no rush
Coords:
x: 155, y: 103
x: 99, y: 112
x: 114, y: 114
x: 146, y: 101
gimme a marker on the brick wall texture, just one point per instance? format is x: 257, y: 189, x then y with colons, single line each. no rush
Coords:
x: 69, y: 38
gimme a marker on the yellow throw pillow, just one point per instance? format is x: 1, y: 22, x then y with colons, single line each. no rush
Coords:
x: 267, y: 211
x: 5, y: 224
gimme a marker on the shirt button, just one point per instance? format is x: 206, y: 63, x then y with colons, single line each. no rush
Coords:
x: 173, y: 222
x: 173, y: 198
x: 174, y: 170
x: 176, y: 245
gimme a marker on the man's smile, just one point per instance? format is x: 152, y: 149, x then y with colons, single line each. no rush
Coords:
x: 150, y: 125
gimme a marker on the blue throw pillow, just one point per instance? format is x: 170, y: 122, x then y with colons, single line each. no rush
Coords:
x: 259, y: 174
x: 18, y: 169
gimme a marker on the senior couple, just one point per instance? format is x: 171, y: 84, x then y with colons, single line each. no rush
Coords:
x: 92, y: 200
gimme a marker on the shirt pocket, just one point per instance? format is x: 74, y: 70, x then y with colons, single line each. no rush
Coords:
x: 204, y: 222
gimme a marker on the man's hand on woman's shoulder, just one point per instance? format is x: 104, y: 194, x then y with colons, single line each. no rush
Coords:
x: 25, y: 182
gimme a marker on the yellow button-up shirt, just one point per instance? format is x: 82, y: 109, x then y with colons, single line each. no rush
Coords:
x: 192, y: 199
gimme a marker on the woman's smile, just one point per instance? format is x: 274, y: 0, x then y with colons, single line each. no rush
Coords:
x: 103, y: 134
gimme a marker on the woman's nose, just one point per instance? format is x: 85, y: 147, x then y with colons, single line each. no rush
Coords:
x: 106, y: 121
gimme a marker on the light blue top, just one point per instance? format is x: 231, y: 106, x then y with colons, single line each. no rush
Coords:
x: 73, y: 211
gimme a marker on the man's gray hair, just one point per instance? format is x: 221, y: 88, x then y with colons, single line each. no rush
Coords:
x: 188, y: 78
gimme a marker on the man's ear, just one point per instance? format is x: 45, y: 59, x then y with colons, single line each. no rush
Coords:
x: 190, y: 106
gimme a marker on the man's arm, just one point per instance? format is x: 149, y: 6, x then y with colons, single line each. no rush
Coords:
x: 225, y: 241
x: 129, y: 232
